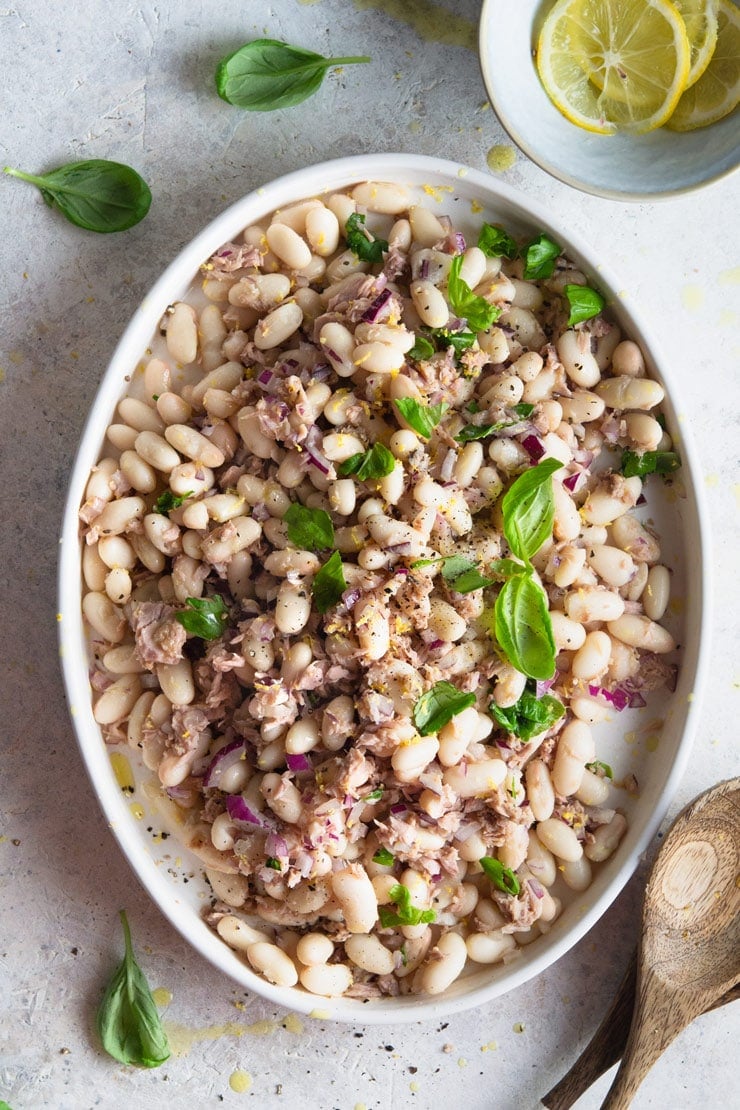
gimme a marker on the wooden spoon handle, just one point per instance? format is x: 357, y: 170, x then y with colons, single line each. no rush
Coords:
x: 608, y: 1042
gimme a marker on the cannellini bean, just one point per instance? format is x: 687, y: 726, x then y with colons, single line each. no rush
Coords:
x: 594, y: 790
x: 591, y: 659
x: 322, y: 231
x: 473, y: 780
x: 137, y: 414
x: 117, y: 701
x: 278, y: 325
x: 575, y: 748
x: 456, y: 735
x: 327, y: 980
x: 120, y: 516
x: 540, y: 789
x: 176, y: 681
x: 625, y: 392
x: 611, y: 564
x: 657, y: 592
x: 225, y: 541
x: 641, y: 632
x: 293, y: 608
x: 282, y: 797
x: 540, y: 861
x: 604, y: 505
x: 356, y: 896
x: 239, y: 934
x: 373, y: 631
x: 574, y: 349
x: 385, y: 197
x: 430, y: 303
x: 569, y: 635
x: 369, y: 953
x: 173, y: 409
x: 103, y: 616
x: 560, y: 839
x: 450, y: 956
x: 425, y: 227
x: 627, y: 359
x: 642, y: 430
x: 489, y: 948
x: 274, y: 964
x: 378, y: 358
x: 156, y: 451
x: 314, y: 949
x: 593, y: 603
x: 582, y: 407
x: 410, y: 759
x: 445, y: 621
x: 577, y: 874
x: 118, y: 585
x: 629, y: 534
x: 288, y: 245
x: 181, y: 332
x: 94, y: 569
x: 230, y: 889
x: 606, y: 838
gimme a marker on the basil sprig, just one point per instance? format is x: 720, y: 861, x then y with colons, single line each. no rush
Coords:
x: 528, y: 509
x: 502, y: 877
x: 376, y: 462
x: 540, y: 256
x: 584, y: 303
x: 529, y: 716
x: 128, y: 1021
x: 266, y: 74
x: 96, y: 194
x: 205, y: 617
x: 434, y: 709
x: 636, y: 465
x: 422, y: 418
x: 309, y: 529
x: 406, y: 914
x: 366, y: 249
x: 496, y: 243
x: 479, y: 314
x: 329, y: 584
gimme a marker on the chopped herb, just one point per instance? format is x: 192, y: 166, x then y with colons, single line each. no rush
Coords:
x: 96, y: 194
x: 266, y: 74
x: 422, y: 418
x: 329, y: 583
x: 528, y: 509
x: 503, y: 878
x: 636, y: 465
x: 496, y: 243
x: 168, y: 501
x: 601, y: 768
x: 275, y: 864
x: 309, y: 529
x: 523, y: 410
x: 128, y: 1021
x: 584, y: 303
x: 374, y: 795
x: 439, y: 705
x: 478, y: 313
x: 459, y: 340
x: 406, y: 914
x: 473, y: 407
x: 374, y: 463
x: 460, y: 573
x: 529, y: 716
x: 205, y: 617
x: 539, y: 258
x: 366, y: 249
x: 507, y: 568
x: 384, y: 857
x: 404, y: 954
x: 480, y: 431
x: 421, y: 349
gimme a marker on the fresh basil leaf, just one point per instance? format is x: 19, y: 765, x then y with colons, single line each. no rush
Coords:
x: 523, y: 410
x: 266, y: 74
x: 540, y: 257
x: 406, y: 914
x: 528, y: 509
x: 128, y: 1021
x: 480, y: 431
x: 503, y: 878
x: 206, y: 617
x: 598, y: 767
x: 439, y: 705
x: 374, y: 463
x: 309, y: 529
x: 459, y: 340
x: 96, y: 194
x: 523, y: 627
x: 462, y: 576
x: 496, y: 243
x: 422, y: 349
x: 374, y: 795
x: 422, y: 418
x: 367, y: 250
x: 384, y: 857
x: 636, y: 465
x: 479, y: 314
x: 273, y: 863
x: 168, y: 501
x: 508, y: 568
x: 584, y: 303
x: 329, y: 584
x: 529, y: 716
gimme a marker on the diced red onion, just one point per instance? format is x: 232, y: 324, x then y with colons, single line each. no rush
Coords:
x: 637, y: 701
x: 401, y: 570
x: 298, y: 763
x: 536, y: 889
x: 399, y: 807
x: 459, y: 241
x: 466, y: 831
x: 641, y: 500
x: 275, y: 845
x: 534, y: 447
x: 238, y: 810
x: 225, y: 758
x: 321, y: 463
x: 573, y: 481
x: 424, y: 269
x: 371, y: 314
x: 351, y: 596
x: 543, y: 686
x: 266, y: 377
x: 619, y: 698
x: 435, y: 644
x: 260, y: 512
x: 179, y: 793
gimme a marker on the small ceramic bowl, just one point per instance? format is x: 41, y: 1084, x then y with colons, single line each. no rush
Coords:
x: 660, y: 164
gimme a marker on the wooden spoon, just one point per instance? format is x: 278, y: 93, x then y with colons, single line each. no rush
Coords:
x: 689, y: 951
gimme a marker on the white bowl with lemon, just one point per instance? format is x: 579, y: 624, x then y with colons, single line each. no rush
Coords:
x: 627, y: 99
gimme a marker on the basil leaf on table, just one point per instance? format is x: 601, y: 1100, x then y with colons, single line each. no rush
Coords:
x: 478, y: 313
x: 529, y: 716
x: 367, y: 250
x: 329, y: 583
x: 309, y: 529
x: 503, y: 878
x: 496, y: 243
x: 266, y: 74
x: 128, y: 1020
x: 540, y: 257
x: 96, y: 194
x: 422, y: 418
x: 635, y: 465
x: 205, y: 617
x: 377, y: 462
x: 584, y: 303
x: 528, y: 509
x: 523, y: 627
x: 438, y: 706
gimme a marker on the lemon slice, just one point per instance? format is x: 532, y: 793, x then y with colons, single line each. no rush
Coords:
x: 717, y: 92
x: 610, y: 64
x: 700, y: 20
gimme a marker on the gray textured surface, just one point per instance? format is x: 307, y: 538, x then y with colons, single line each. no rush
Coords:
x: 134, y: 83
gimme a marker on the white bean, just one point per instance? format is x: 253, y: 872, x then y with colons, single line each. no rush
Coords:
x: 574, y: 349
x: 385, y: 197
x: 293, y: 608
x: 489, y: 948
x: 430, y: 303
x: 117, y: 701
x: 560, y: 839
x: 327, y: 980
x: 274, y: 964
x: 592, y: 658
x: 657, y: 592
x: 181, y: 331
x: 606, y: 838
x: 593, y: 603
x: 450, y: 956
x: 237, y: 933
x: 625, y: 392
x: 356, y: 896
x: 278, y: 325
x: 641, y: 632
x: 575, y: 748
x: 540, y: 791
x: 476, y: 780
x: 103, y: 616
x: 176, y: 681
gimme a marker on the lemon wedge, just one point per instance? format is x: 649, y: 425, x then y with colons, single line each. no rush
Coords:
x: 717, y: 92
x: 608, y: 65
x: 700, y: 21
